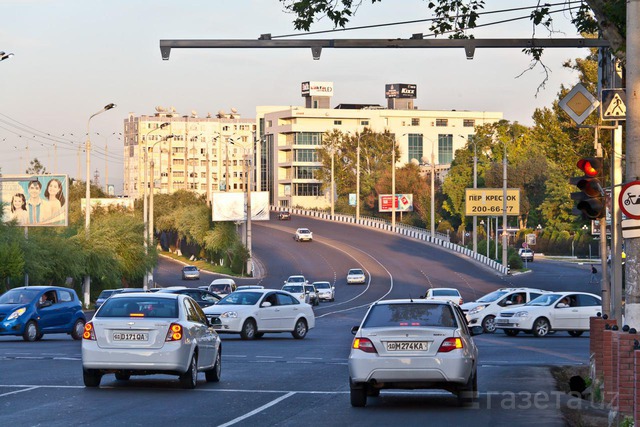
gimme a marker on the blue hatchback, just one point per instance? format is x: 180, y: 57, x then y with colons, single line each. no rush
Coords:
x: 33, y: 311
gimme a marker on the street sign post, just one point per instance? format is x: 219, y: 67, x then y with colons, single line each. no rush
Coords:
x: 488, y: 201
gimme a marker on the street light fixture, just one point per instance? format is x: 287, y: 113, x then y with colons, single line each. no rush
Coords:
x: 4, y: 56
x: 87, y: 208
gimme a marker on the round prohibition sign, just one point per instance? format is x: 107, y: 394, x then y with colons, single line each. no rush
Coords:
x: 629, y: 200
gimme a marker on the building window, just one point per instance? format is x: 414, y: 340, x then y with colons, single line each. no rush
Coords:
x: 445, y: 149
x: 309, y: 138
x: 178, y: 161
x: 364, y: 122
x: 442, y: 122
x: 306, y: 155
x: 305, y: 189
x: 337, y: 122
x: 306, y: 172
x: 468, y: 123
x: 415, y: 147
x: 415, y: 121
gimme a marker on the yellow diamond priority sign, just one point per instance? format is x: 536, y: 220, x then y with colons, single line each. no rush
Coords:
x: 579, y: 103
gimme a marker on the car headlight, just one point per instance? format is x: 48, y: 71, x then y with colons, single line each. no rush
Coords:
x: 522, y: 314
x: 19, y: 312
x: 229, y: 314
x: 477, y: 309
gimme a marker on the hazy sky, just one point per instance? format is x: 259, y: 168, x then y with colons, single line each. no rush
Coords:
x: 72, y: 57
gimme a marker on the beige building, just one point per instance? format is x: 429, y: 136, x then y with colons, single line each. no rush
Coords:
x: 292, y: 137
x: 201, y: 154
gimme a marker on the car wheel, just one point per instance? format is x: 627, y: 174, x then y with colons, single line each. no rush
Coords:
x: 511, y: 332
x: 78, y: 329
x: 300, y: 330
x: 213, y: 375
x: 248, y: 331
x: 91, y: 378
x: 121, y: 376
x: 31, y: 331
x: 541, y: 327
x: 39, y: 336
x: 189, y: 379
x: 468, y: 393
x: 373, y: 392
x: 576, y: 333
x: 358, y: 395
x: 489, y: 324
x: 259, y: 334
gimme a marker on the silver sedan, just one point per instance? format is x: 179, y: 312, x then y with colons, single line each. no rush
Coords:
x: 150, y: 333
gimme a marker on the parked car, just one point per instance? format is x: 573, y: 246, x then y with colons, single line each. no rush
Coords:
x: 302, y: 235
x: 312, y: 294
x: 526, y: 254
x: 554, y: 311
x: 34, y: 311
x: 444, y: 294
x: 413, y: 344
x: 283, y: 215
x: 484, y: 310
x: 143, y: 333
x: 106, y: 293
x: 222, y: 287
x: 356, y: 275
x: 326, y: 291
x: 190, y: 272
x: 254, y: 312
x: 202, y: 297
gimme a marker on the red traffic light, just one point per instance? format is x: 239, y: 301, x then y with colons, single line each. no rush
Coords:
x: 591, y: 166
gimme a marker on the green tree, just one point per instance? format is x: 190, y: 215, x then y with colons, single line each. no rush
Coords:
x: 36, y: 168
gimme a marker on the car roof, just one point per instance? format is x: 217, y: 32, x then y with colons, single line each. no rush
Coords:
x: 356, y: 269
x: 224, y: 281
x: 42, y: 287
x: 168, y: 295
x: 444, y: 289
x: 572, y: 293
x: 412, y: 301
x: 303, y: 229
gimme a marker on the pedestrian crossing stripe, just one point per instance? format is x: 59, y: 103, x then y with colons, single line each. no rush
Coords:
x: 616, y: 107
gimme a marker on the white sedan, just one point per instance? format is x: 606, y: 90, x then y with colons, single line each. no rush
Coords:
x: 150, y: 333
x: 356, y: 275
x: 303, y: 234
x: 254, y: 312
x: 557, y: 311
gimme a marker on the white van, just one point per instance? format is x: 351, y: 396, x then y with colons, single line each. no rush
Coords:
x: 222, y: 287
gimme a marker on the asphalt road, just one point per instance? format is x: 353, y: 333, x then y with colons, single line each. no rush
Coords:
x: 279, y: 381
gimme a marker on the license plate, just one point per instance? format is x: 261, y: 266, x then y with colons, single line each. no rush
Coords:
x: 407, y: 346
x: 502, y: 321
x: 130, y: 336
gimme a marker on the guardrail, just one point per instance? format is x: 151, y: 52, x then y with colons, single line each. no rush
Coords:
x: 417, y: 233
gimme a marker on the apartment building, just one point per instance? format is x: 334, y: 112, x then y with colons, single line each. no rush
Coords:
x: 292, y: 137
x: 187, y: 152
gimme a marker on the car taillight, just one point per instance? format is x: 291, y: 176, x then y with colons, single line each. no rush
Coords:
x: 88, y: 333
x: 450, y: 344
x: 364, y: 344
x: 175, y: 332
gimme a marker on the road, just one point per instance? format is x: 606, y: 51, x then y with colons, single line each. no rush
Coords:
x: 279, y: 381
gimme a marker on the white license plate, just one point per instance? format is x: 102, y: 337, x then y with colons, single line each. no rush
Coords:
x: 502, y: 321
x: 130, y: 336
x: 407, y: 346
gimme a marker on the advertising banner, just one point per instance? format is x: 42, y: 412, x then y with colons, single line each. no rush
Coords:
x: 488, y: 201
x: 231, y: 206
x: 401, y: 90
x: 317, y: 89
x: 404, y: 202
x: 35, y: 200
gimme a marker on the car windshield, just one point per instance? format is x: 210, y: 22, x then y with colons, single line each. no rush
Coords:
x: 303, y: 231
x: 19, y: 296
x: 493, y: 296
x: 446, y: 293
x: 156, y: 308
x: 544, y: 300
x: 241, y: 298
x: 190, y: 269
x: 294, y: 289
x: 410, y: 314
x: 356, y: 271
x: 221, y: 289
x: 106, y: 294
x: 322, y: 285
x: 296, y: 279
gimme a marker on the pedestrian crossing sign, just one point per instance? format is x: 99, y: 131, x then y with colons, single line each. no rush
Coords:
x: 614, y: 104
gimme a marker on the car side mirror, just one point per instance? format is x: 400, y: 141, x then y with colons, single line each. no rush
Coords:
x: 562, y: 305
x: 476, y: 330
x: 508, y: 302
x: 265, y: 304
x: 355, y: 330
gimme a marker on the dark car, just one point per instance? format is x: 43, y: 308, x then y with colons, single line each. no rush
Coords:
x: 33, y: 311
x: 284, y: 215
x: 202, y: 297
x: 104, y: 295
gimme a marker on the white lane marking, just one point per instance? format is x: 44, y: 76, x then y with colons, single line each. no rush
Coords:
x: 255, y: 411
x: 17, y: 391
x: 269, y: 357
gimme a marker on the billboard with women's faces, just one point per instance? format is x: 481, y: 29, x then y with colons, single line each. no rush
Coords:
x: 35, y: 200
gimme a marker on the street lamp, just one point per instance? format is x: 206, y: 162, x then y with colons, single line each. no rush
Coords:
x: 87, y: 208
x: 4, y: 56
x: 505, y: 262
x: 433, y: 189
x: 475, y: 185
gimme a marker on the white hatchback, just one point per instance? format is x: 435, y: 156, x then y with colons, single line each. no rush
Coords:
x: 555, y: 311
x: 150, y: 333
x: 444, y: 294
x: 413, y: 344
x: 303, y: 234
x: 254, y: 312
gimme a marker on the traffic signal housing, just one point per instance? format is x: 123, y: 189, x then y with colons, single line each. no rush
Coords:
x: 591, y: 197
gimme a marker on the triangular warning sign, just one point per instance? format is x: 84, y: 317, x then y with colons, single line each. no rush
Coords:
x: 616, y: 107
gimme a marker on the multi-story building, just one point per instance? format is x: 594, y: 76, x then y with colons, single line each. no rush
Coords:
x: 292, y: 136
x: 188, y: 153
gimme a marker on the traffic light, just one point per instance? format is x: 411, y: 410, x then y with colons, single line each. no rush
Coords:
x: 591, y: 197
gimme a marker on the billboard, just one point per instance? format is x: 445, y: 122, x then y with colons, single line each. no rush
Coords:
x: 404, y: 202
x: 230, y: 206
x: 401, y: 90
x: 35, y: 200
x: 488, y: 201
x: 317, y: 89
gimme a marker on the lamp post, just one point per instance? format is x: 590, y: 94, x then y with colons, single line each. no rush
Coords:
x: 333, y: 183
x: 433, y: 190
x: 208, y: 171
x: 505, y: 262
x: 358, y: 181
x: 393, y: 184
x: 475, y: 185
x: 87, y: 208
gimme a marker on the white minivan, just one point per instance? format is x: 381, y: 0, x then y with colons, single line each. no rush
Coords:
x: 222, y: 287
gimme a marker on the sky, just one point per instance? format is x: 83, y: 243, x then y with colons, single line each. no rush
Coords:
x: 73, y: 57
